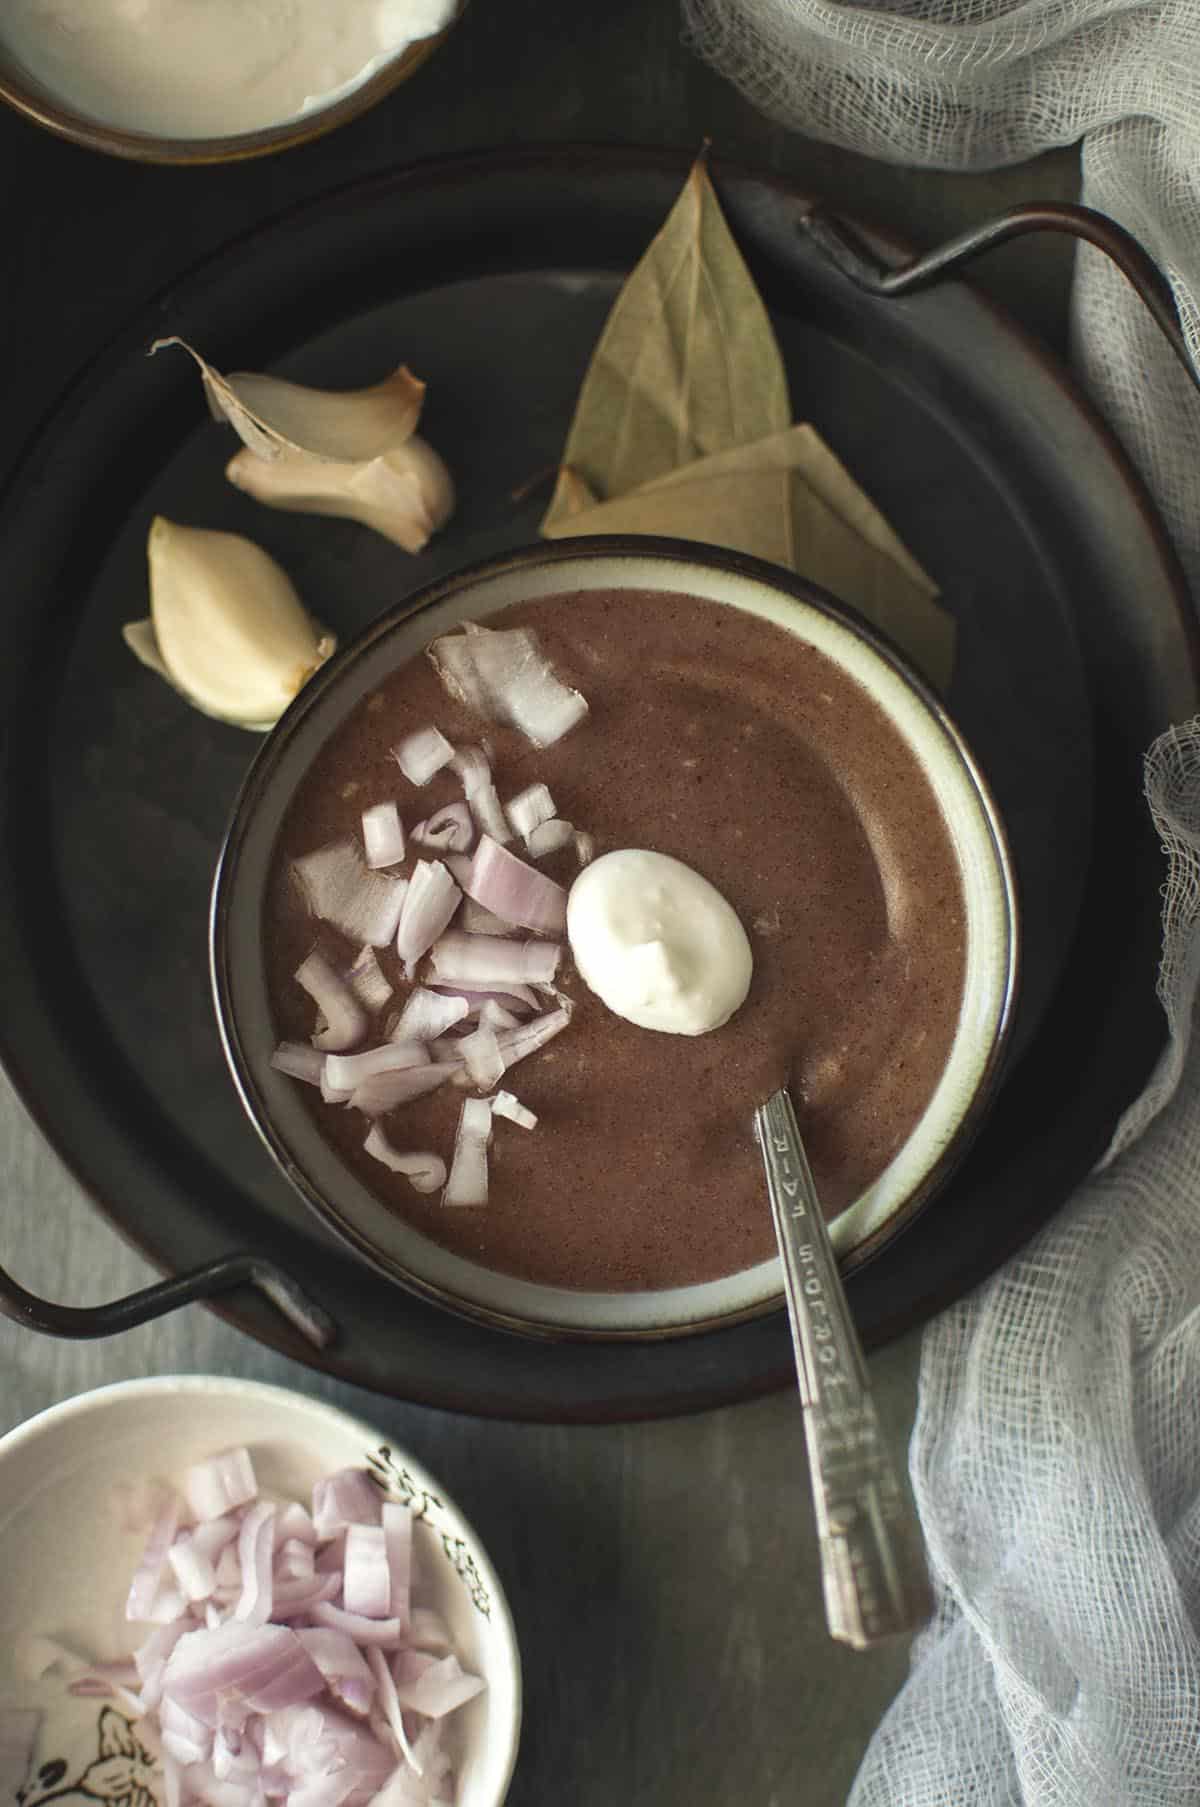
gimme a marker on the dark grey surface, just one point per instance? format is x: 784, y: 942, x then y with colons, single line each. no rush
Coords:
x: 661, y: 1574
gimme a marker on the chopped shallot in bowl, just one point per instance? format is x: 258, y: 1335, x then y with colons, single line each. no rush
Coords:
x: 253, y: 1600
x: 457, y: 954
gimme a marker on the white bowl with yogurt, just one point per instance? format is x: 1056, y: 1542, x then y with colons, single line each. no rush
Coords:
x: 176, y: 81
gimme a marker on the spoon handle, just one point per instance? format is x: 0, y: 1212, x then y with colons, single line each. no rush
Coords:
x: 872, y: 1558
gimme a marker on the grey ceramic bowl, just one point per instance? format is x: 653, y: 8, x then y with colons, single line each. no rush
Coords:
x: 339, y: 1196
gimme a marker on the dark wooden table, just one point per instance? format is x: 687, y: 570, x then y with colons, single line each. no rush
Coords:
x: 662, y: 1575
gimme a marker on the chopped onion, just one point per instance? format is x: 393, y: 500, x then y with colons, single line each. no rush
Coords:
x: 150, y: 1659
x: 458, y: 865
x: 451, y: 830
x: 366, y: 1579
x: 517, y: 1044
x: 229, y: 1574
x: 245, y: 1709
x: 341, y: 889
x: 299, y: 1061
x: 383, y: 835
x: 549, y: 837
x: 383, y: 1092
x: 294, y: 1524
x: 406, y: 1787
x: 172, y: 1781
x: 488, y: 962
x: 423, y: 754
x: 346, y: 1072
x: 344, y: 1499
x: 473, y: 769
x: 518, y: 892
x: 342, y: 1664
x: 489, y: 815
x: 384, y: 1632
x: 390, y: 1707
x: 328, y: 1759
x: 184, y: 1736
x: 428, y: 1014
x: 192, y: 1557
x: 528, y: 808
x: 234, y: 1757
x: 145, y: 1584
x: 398, y: 1537
x: 368, y: 981
x: 504, y: 675
x: 468, y: 1181
x: 496, y: 1016
x: 424, y: 1172
x: 475, y: 775
x: 428, y: 1629
x: 434, y: 1686
x: 256, y: 1549
x: 221, y: 1484
x: 505, y: 1105
x: 482, y: 1057
x: 333, y: 1094
x: 430, y: 902
x: 427, y: 1783
x: 296, y: 1599
x: 514, y: 996
x: 293, y: 1557
x: 345, y: 1018
x: 473, y: 919
x: 260, y: 1666
x: 167, y: 1605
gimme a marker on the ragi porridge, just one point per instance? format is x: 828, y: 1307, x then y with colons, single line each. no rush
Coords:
x: 728, y: 743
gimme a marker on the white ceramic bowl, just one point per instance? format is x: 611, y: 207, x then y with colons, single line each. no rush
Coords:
x: 243, y: 1006
x: 68, y: 1561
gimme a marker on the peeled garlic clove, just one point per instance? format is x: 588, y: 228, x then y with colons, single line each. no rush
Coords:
x: 226, y: 626
x: 142, y: 641
x: 405, y: 495
x: 274, y: 417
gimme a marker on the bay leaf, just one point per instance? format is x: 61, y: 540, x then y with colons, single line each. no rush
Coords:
x: 767, y: 509
x: 748, y: 511
x: 801, y: 448
x: 687, y: 363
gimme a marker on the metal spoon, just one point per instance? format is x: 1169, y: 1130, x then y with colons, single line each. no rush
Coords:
x: 872, y: 1557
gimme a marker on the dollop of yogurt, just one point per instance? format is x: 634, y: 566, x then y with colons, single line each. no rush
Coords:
x: 657, y: 943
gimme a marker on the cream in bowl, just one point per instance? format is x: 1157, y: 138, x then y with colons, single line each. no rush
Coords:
x: 737, y: 727
x: 175, y: 81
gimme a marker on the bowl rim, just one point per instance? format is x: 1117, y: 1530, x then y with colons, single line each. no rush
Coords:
x: 80, y: 1405
x: 43, y: 108
x: 564, y: 553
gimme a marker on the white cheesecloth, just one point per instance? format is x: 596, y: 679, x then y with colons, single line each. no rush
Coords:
x: 1056, y: 1453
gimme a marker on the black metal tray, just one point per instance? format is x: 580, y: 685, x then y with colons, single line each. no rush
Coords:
x: 491, y: 276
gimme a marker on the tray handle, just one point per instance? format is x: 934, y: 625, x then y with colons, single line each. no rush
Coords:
x: 231, y: 1271
x: 855, y: 259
